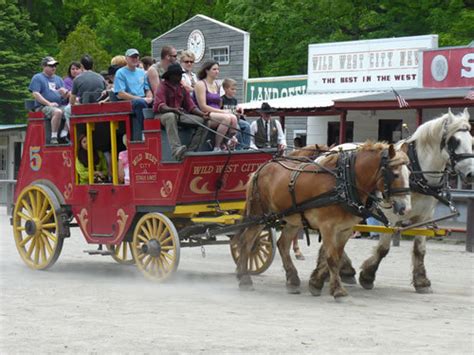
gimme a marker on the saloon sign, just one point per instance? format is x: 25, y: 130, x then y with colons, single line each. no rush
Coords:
x: 367, y: 65
x: 445, y: 68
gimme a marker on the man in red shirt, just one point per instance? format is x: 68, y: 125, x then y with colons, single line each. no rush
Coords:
x: 175, y: 105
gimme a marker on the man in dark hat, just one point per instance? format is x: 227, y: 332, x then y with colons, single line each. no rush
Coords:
x: 175, y: 105
x: 266, y: 131
x: 50, y: 96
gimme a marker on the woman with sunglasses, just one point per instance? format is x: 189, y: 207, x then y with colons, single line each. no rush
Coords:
x: 208, y: 98
x: 189, y: 78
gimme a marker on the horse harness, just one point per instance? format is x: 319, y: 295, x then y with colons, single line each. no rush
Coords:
x: 344, y: 193
x: 418, y: 182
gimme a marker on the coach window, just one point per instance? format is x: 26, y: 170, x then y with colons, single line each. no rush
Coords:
x: 96, y: 145
x: 221, y: 55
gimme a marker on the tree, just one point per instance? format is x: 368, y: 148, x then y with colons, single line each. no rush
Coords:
x: 82, y: 40
x: 20, y: 56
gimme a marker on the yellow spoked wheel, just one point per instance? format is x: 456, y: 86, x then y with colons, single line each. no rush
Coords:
x: 155, y: 246
x: 36, y: 228
x: 122, y: 253
x: 262, y: 253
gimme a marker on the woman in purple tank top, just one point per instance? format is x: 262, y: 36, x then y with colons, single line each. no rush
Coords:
x: 208, y: 98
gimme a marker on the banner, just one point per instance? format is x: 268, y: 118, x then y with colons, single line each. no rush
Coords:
x: 377, y: 64
x: 263, y: 89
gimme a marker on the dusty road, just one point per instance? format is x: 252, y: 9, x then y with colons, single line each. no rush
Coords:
x: 91, y: 304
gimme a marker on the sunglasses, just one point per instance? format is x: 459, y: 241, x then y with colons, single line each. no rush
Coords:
x: 52, y: 65
x: 174, y: 56
x: 189, y: 61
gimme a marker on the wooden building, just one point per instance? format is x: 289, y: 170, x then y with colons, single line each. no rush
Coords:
x: 210, y: 39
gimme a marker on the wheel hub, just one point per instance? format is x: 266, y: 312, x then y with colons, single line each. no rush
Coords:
x: 30, y: 227
x: 152, y: 247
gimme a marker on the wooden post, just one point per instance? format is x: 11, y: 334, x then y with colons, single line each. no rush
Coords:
x: 396, y: 239
x: 470, y: 225
x: 342, y: 127
x: 419, y: 117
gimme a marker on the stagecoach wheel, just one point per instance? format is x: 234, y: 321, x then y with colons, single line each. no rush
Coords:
x: 155, y: 246
x: 122, y: 253
x: 262, y: 253
x: 36, y: 227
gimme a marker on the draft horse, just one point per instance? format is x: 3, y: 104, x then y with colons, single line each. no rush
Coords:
x: 329, y: 196
x: 439, y: 144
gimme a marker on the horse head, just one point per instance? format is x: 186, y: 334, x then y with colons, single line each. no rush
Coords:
x: 456, y: 144
x: 394, y: 179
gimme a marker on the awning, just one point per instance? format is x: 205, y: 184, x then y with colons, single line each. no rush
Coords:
x: 418, y: 98
x: 12, y: 127
x: 307, y: 102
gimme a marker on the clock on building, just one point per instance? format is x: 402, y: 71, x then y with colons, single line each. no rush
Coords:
x: 196, y: 44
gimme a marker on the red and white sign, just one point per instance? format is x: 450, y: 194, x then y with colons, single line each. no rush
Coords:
x: 448, y: 68
x: 377, y: 64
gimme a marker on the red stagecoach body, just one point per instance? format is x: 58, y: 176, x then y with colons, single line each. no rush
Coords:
x: 105, y: 212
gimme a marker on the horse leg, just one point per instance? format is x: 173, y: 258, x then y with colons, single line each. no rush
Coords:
x: 370, y: 266
x: 318, y: 276
x: 420, y: 280
x: 246, y: 241
x: 347, y: 271
x: 284, y: 243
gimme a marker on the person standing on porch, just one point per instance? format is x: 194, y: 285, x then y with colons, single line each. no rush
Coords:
x: 266, y: 132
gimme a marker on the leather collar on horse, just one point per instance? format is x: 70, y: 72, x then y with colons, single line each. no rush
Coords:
x: 344, y: 193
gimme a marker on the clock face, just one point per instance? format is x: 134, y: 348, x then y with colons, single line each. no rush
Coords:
x: 197, y: 45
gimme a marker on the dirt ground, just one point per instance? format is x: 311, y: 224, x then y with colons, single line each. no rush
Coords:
x: 91, y: 304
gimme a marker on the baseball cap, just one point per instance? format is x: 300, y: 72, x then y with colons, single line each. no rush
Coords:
x: 131, y: 51
x: 48, y: 61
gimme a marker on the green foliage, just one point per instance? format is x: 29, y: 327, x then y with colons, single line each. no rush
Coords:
x: 20, y: 56
x: 82, y: 40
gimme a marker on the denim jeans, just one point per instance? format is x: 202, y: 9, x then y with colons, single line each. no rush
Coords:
x: 137, y: 123
x: 244, y: 135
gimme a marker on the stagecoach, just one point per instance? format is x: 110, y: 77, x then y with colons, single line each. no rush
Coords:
x: 167, y: 205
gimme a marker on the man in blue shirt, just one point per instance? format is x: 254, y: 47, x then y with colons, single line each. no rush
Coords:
x: 50, y: 97
x: 130, y: 84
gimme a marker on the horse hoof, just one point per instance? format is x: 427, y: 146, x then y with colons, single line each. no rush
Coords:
x: 350, y: 280
x: 293, y: 289
x: 340, y: 293
x: 368, y: 285
x: 424, y: 290
x: 315, y: 291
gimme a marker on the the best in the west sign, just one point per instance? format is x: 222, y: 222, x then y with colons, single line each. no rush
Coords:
x: 367, y: 65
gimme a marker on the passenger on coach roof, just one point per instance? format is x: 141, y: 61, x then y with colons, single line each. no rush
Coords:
x: 175, y: 105
x: 89, y: 83
x: 72, y: 72
x: 130, y: 84
x: 100, y: 164
x: 151, y: 74
x: 229, y: 103
x: 168, y: 56
x: 266, y: 131
x: 50, y: 96
x: 189, y: 77
x: 208, y: 98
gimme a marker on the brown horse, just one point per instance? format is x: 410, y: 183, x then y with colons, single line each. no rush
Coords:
x: 310, y: 151
x: 377, y: 167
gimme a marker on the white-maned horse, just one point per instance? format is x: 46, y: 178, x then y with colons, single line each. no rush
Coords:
x: 435, y: 144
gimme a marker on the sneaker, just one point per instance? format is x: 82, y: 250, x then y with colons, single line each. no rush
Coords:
x: 179, y: 152
x: 299, y: 255
x: 217, y: 149
x: 53, y: 140
x: 64, y: 140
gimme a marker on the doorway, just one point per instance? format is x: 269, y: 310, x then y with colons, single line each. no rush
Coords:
x: 390, y: 130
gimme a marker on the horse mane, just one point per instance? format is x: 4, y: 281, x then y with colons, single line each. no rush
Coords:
x: 367, y: 146
x: 431, y: 132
